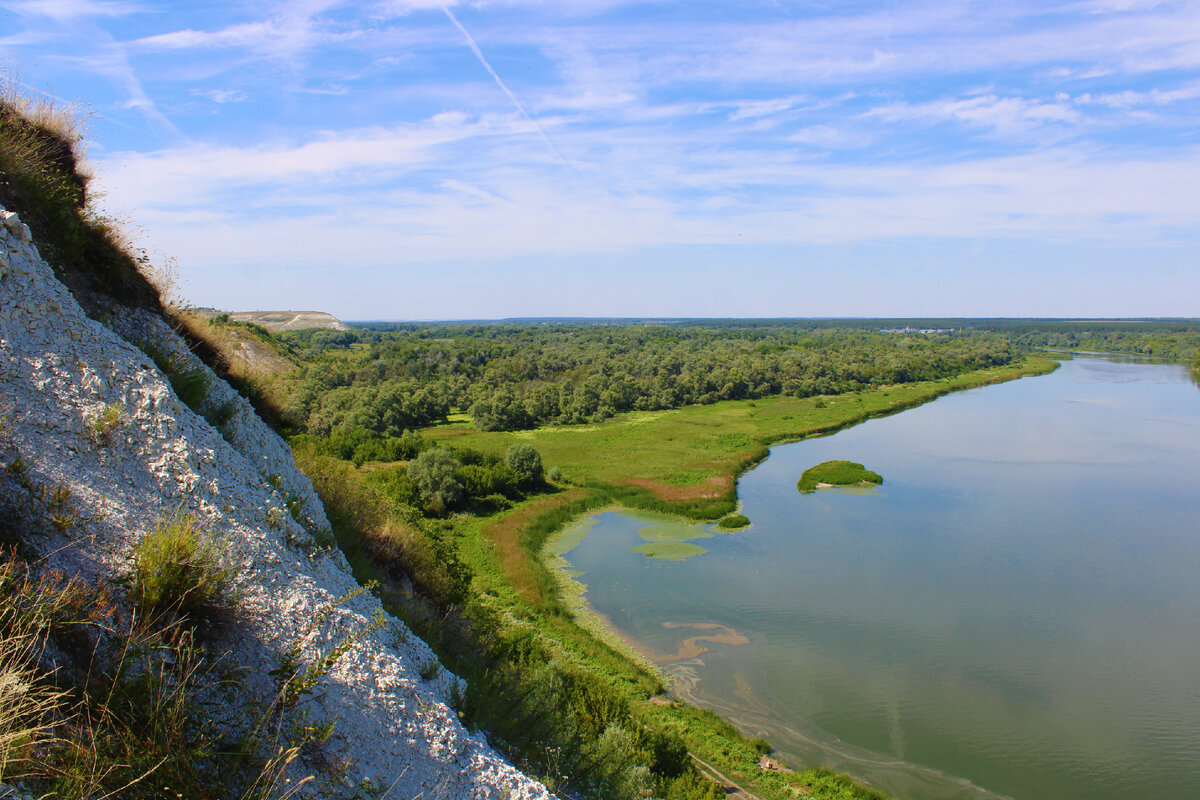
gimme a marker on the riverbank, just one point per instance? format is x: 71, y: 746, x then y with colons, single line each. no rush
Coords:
x: 684, y: 463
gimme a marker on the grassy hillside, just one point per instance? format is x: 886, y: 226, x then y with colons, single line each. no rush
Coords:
x: 43, y: 180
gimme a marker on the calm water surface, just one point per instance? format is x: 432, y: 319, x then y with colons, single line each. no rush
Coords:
x: 1014, y: 613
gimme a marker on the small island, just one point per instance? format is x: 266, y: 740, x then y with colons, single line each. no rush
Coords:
x: 837, y: 473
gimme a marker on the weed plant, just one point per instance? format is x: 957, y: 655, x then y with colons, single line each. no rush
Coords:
x: 102, y: 428
x: 295, y: 680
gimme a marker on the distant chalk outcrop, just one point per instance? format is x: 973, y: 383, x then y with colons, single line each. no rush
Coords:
x: 290, y: 320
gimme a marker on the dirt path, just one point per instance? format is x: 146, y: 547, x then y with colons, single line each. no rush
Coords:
x: 714, y: 774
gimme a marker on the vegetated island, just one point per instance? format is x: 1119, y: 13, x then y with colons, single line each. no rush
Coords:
x: 829, y: 474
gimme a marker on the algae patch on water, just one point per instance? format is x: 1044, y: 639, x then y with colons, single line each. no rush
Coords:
x: 837, y: 473
x: 670, y: 540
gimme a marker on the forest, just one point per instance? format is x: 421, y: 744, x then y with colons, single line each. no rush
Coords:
x: 388, y: 379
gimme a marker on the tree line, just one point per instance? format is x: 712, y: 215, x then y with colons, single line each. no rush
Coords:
x: 510, y: 377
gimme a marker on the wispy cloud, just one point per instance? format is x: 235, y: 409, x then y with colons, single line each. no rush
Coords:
x: 1006, y: 115
x: 242, y: 35
x: 702, y: 125
x: 504, y: 87
x: 69, y: 10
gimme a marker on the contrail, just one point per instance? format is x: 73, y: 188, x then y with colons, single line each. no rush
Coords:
x: 479, y: 54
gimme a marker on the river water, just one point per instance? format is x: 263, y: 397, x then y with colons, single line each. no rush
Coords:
x: 1015, y: 612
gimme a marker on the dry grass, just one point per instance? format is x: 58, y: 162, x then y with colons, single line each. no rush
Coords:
x: 712, y: 487
x: 505, y: 533
x: 45, y: 181
x: 63, y: 120
x: 28, y: 707
x: 120, y: 716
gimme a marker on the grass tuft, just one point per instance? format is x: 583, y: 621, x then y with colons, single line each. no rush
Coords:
x: 180, y: 567
x: 102, y: 428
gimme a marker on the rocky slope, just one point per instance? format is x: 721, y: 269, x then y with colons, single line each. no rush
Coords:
x: 62, y: 371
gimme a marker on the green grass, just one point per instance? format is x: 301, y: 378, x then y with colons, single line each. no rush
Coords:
x: 837, y: 473
x: 734, y: 522
x: 179, y: 567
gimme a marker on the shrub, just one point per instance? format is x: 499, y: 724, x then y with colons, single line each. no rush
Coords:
x: 526, y: 462
x: 485, y: 481
x: 179, y: 566
x: 435, y: 475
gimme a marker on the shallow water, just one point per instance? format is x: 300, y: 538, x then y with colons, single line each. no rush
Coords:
x: 1014, y: 613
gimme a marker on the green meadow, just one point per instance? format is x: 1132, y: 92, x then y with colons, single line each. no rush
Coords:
x: 686, y: 461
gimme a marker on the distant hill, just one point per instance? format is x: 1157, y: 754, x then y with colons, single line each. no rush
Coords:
x: 290, y: 320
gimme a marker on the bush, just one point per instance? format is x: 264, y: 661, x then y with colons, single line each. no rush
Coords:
x: 526, y: 462
x: 179, y: 566
x: 733, y: 522
x: 435, y: 475
x: 395, y: 483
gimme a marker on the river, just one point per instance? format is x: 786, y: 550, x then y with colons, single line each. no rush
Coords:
x: 1015, y: 612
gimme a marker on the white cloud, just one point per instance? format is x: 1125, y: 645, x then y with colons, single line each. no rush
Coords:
x: 68, y: 10
x: 752, y: 109
x: 1131, y: 99
x: 1006, y: 115
x: 222, y: 96
x: 246, y: 34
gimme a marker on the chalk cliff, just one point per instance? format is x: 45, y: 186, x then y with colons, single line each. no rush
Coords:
x: 60, y: 372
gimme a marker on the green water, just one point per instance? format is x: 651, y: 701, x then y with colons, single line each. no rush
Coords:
x: 1015, y: 612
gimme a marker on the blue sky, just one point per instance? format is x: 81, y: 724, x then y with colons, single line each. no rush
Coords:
x: 414, y: 159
